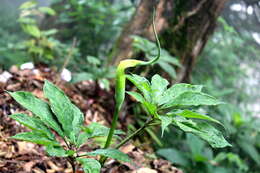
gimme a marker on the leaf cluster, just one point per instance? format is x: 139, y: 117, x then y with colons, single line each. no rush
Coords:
x: 224, y: 78
x: 61, y: 116
x: 41, y: 45
x: 173, y: 106
x: 95, y: 70
x: 166, y: 62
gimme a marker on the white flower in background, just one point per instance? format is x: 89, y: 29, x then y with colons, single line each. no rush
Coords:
x: 66, y: 75
x: 5, y: 76
x: 36, y: 72
x: 28, y: 65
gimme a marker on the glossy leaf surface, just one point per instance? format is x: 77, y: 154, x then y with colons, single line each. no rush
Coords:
x: 204, y: 131
x: 35, y: 137
x: 56, y: 151
x: 90, y: 165
x: 33, y: 123
x: 38, y: 107
x: 70, y: 117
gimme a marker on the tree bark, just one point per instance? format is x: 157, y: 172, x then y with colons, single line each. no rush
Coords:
x: 137, y: 25
x: 184, y: 27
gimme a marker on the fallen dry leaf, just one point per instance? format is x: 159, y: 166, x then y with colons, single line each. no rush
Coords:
x: 145, y: 170
x: 25, y: 147
x: 37, y: 170
x: 28, y: 166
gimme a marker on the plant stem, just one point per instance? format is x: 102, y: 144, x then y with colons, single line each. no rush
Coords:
x: 135, y: 133
x: 111, y: 132
x: 120, y: 88
x: 70, y: 53
x: 72, y: 162
x: 113, y: 126
x: 128, y: 138
x: 67, y: 144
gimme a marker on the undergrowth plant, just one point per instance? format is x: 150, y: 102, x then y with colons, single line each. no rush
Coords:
x: 95, y: 70
x: 164, y: 106
x: 41, y: 46
x: 166, y: 62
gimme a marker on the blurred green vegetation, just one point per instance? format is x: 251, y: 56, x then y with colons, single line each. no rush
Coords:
x: 10, y: 34
x: 219, y: 69
x: 94, y: 26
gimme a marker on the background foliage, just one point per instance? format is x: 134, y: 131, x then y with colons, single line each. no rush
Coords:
x: 227, y: 68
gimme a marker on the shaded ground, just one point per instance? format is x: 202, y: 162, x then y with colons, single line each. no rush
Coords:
x: 97, y: 106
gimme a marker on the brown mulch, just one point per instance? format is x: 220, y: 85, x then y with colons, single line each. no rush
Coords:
x: 97, y: 106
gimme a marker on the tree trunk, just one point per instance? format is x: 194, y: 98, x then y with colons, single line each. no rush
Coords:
x: 184, y: 27
x: 137, y: 25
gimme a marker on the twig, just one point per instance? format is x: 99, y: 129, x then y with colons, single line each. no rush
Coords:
x: 67, y: 60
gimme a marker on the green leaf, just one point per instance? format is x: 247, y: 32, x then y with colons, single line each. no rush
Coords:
x: 174, y: 156
x: 168, y: 59
x: 151, y: 108
x: 82, y: 138
x: 149, y: 48
x: 158, y: 86
x: 90, y: 165
x: 190, y: 114
x: 142, y: 84
x: 138, y: 97
x: 27, y: 20
x: 250, y: 150
x: 168, y: 68
x: 70, y: 117
x: 204, y: 131
x: 112, y: 153
x: 196, y: 146
x: 165, y: 122
x: 33, y: 30
x: 98, y: 130
x: 93, y: 60
x: 190, y: 98
x: 95, y: 130
x: 38, y: 107
x: 35, y: 137
x: 56, y: 151
x: 232, y: 158
x: 47, y: 10
x: 33, y: 123
x: 49, y: 32
x: 78, y: 77
x: 28, y: 4
x: 176, y: 90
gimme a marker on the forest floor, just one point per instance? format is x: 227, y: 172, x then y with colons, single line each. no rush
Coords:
x: 97, y: 106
